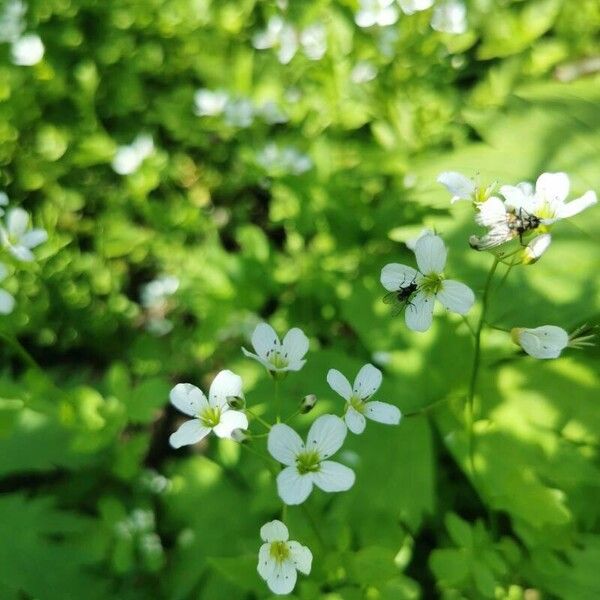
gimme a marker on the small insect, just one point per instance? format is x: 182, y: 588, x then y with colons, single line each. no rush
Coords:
x: 513, y: 224
x: 401, y: 297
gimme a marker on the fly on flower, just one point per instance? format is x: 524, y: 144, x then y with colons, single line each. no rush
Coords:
x: 400, y: 298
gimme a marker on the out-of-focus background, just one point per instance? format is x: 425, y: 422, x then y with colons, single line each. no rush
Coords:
x: 201, y: 166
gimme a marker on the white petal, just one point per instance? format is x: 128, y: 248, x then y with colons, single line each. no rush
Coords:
x: 553, y: 187
x: 419, y: 312
x: 431, y: 254
x: 382, y: 412
x: 411, y: 6
x: 301, y: 557
x: 21, y: 253
x: 7, y: 303
x: 225, y: 384
x: 230, y: 420
x: 188, y: 399
x: 576, y: 206
x: 517, y: 198
x: 338, y: 383
x: 266, y: 563
x: 395, y: 276
x: 262, y: 361
x: 456, y: 296
x: 17, y: 220
x: 491, y: 212
x: 334, y: 477
x: 355, y: 421
x: 283, y: 578
x: 274, y: 531
x: 461, y: 187
x: 536, y: 248
x: 326, y: 435
x: 544, y: 342
x: 33, y: 238
x: 295, y: 345
x: 191, y: 432
x: 284, y: 444
x: 410, y: 244
x: 295, y: 365
x: 264, y: 339
x: 367, y: 381
x: 292, y: 487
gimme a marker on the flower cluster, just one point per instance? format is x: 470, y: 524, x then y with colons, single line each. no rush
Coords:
x: 282, y: 161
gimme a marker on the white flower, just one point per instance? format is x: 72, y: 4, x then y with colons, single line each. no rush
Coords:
x: 412, y: 6
x: 17, y: 238
x: 283, y: 161
x: 280, y: 35
x: 461, y: 187
x: 128, y: 159
x: 376, y: 12
x: 209, y: 415
x: 411, y: 244
x: 307, y: 465
x: 547, y: 341
x: 28, y: 50
x: 450, y: 17
x: 272, y: 114
x: 279, y: 558
x: 239, y: 113
x: 210, y: 103
x: 7, y: 301
x: 12, y: 20
x: 363, y: 72
x: 158, y: 290
x: 419, y: 289
x: 314, y: 41
x: 358, y: 399
x: 275, y: 355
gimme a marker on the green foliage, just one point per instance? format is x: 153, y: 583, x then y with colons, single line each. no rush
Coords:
x: 95, y: 503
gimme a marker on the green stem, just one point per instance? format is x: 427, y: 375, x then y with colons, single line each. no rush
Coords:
x: 259, y: 419
x: 426, y: 409
x: 476, y: 363
x: 468, y: 324
x: 268, y: 462
x: 313, y: 524
x: 284, y: 512
x: 294, y: 414
x: 277, y: 400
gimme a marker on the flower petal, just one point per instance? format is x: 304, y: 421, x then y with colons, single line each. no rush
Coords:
x: 536, y: 248
x: 284, y: 444
x: 419, y: 312
x: 7, y: 303
x: 295, y: 365
x: 367, y: 381
x: 262, y: 361
x: 225, y: 384
x: 456, y: 296
x: 34, y: 237
x: 301, y: 557
x: 283, y: 578
x: 395, y: 276
x: 553, y: 187
x: 544, y: 342
x: 326, y: 435
x: 338, y: 383
x: 516, y: 197
x: 188, y: 399
x: 576, y: 206
x: 431, y: 254
x: 461, y: 187
x: 382, y: 412
x: 292, y: 487
x: 491, y: 213
x: 191, y: 432
x: 355, y: 421
x: 266, y: 563
x: 21, y: 253
x: 334, y: 477
x: 295, y: 345
x: 264, y: 339
x: 274, y: 531
x: 17, y: 220
x: 230, y: 420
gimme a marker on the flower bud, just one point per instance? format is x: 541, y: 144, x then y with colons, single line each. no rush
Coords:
x: 236, y: 402
x: 536, y: 247
x: 547, y: 341
x: 308, y: 403
x: 240, y: 435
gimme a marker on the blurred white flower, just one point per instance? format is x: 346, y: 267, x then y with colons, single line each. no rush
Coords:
x: 313, y: 40
x: 16, y: 236
x: 212, y: 414
x: 272, y: 114
x: 7, y: 301
x: 3, y: 202
x: 412, y: 6
x: 363, y: 72
x: 279, y: 35
x: 281, y: 161
x: 278, y: 356
x: 128, y: 159
x: 544, y: 342
x: 358, y: 399
x: 12, y: 21
x: 426, y: 285
x: 307, y: 465
x: 279, y: 558
x: 210, y: 103
x: 28, y: 50
x: 239, y: 113
x: 450, y: 16
x: 158, y: 290
x: 376, y: 12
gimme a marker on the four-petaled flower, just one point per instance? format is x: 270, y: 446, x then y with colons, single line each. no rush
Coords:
x: 306, y: 464
x: 17, y: 238
x: 428, y: 284
x: 279, y: 558
x: 463, y: 188
x: 547, y: 341
x: 358, y: 399
x: 278, y: 356
x: 209, y: 415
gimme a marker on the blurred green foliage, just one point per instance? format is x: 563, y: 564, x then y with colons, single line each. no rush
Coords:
x: 94, y: 503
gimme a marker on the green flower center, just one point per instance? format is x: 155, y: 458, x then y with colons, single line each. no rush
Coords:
x: 210, y: 417
x: 432, y: 283
x: 279, y: 551
x: 308, y: 461
x: 356, y: 403
x: 277, y: 359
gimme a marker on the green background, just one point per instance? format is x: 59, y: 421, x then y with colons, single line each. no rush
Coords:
x: 94, y: 503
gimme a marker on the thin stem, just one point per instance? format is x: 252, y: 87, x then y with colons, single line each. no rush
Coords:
x: 259, y: 419
x: 426, y: 409
x: 477, y: 361
x: 468, y: 324
x: 263, y: 457
x: 313, y: 524
x: 284, y: 512
x: 294, y: 414
x: 277, y: 400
